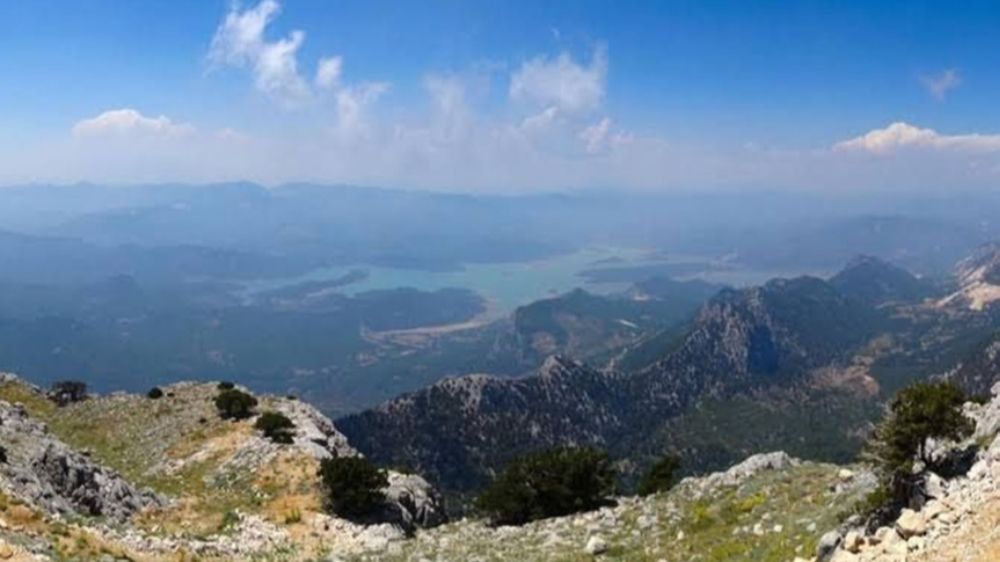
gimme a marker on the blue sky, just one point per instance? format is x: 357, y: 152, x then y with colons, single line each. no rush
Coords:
x: 503, y: 96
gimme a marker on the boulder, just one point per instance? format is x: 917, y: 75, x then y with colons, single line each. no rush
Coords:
x: 934, y: 486
x: 827, y: 545
x: 911, y: 523
x: 412, y: 502
x: 596, y: 545
x: 314, y: 432
x: 853, y: 542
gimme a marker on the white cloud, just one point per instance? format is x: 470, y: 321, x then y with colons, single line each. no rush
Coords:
x: 599, y: 137
x: 940, y: 84
x: 240, y: 37
x: 328, y: 72
x: 239, y: 41
x: 562, y: 82
x: 540, y: 121
x: 128, y: 121
x: 902, y: 135
x: 352, y: 104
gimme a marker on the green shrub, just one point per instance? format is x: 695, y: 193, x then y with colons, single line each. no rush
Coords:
x: 661, y: 477
x: 230, y: 520
x: 354, y: 486
x: 547, y: 484
x: 64, y: 393
x: 917, y: 413
x: 235, y: 404
x: 276, y: 427
x: 155, y: 393
x: 226, y: 385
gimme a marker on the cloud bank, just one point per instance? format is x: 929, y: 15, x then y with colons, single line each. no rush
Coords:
x: 537, y: 123
x: 898, y: 136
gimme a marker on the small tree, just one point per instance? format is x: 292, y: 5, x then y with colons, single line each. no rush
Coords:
x: 225, y: 385
x: 547, y: 484
x: 354, y: 486
x: 661, y: 477
x: 64, y: 393
x: 921, y: 411
x: 276, y: 427
x: 155, y: 393
x: 235, y: 404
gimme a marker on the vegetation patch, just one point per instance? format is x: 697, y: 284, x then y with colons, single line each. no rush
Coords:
x: 276, y: 426
x: 547, y: 484
x: 354, y: 486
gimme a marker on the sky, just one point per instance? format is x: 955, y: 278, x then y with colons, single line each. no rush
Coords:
x: 504, y: 97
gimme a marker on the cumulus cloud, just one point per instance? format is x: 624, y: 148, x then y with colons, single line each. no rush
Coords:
x: 938, y: 85
x: 239, y: 41
x: 128, y: 121
x: 561, y: 82
x: 902, y: 135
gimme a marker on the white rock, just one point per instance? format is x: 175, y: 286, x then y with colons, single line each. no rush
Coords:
x: 933, y: 509
x: 935, y: 486
x: 844, y: 556
x: 910, y: 523
x: 853, y: 542
x: 596, y: 545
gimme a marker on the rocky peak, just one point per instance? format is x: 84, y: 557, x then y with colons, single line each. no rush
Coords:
x: 782, y: 326
x: 874, y: 281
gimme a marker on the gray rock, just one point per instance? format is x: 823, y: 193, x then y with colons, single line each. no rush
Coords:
x: 314, y: 432
x: 827, y: 545
x: 739, y: 473
x: 48, y: 474
x: 413, y: 502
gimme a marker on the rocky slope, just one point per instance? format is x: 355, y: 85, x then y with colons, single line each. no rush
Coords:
x: 978, y: 279
x: 979, y: 370
x: 41, y: 470
x: 460, y: 431
x: 957, y: 520
x: 224, y: 493
x: 769, y: 507
x: 130, y: 477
